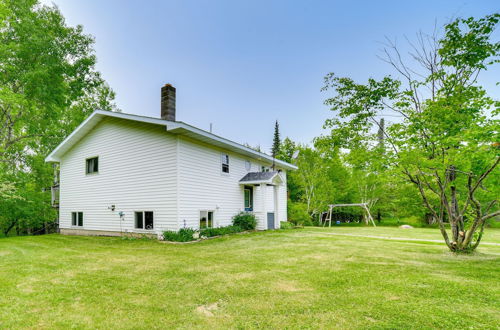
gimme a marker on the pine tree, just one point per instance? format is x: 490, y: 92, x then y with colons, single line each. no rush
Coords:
x: 276, y: 142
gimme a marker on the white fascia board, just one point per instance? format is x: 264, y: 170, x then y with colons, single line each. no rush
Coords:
x: 170, y: 126
x: 52, y: 157
x: 228, y: 143
x: 95, y: 117
x: 246, y: 183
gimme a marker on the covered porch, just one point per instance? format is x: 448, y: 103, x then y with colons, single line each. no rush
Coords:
x: 261, y: 196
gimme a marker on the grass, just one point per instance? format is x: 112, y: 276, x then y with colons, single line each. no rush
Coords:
x: 284, y: 279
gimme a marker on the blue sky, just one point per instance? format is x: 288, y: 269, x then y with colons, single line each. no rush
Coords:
x: 241, y: 65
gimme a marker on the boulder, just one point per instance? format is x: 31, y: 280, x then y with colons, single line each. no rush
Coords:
x: 405, y: 227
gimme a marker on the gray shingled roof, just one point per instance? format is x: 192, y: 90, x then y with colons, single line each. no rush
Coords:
x: 258, y: 176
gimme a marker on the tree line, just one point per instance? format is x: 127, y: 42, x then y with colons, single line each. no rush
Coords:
x: 48, y: 85
x: 436, y: 160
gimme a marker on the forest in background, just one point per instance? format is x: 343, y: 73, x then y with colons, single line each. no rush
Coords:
x: 436, y: 162
x: 48, y: 86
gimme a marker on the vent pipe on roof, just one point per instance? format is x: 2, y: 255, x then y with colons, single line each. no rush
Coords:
x: 168, y: 102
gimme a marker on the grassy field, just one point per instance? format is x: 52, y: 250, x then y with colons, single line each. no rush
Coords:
x: 305, y: 278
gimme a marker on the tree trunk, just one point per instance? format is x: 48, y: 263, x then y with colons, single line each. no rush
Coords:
x: 12, y: 224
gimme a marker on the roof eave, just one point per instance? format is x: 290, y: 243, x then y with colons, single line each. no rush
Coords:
x: 183, y: 126
x: 171, y: 126
x: 256, y: 182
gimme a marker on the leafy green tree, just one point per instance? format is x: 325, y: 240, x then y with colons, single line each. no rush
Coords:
x: 320, y: 180
x: 445, y: 142
x: 48, y: 85
x: 287, y: 150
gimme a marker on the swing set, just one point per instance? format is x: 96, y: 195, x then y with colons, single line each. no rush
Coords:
x: 367, y: 215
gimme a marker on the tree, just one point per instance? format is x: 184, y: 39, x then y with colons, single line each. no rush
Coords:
x: 275, y: 150
x: 287, y: 150
x: 48, y: 85
x: 311, y: 178
x: 444, y: 140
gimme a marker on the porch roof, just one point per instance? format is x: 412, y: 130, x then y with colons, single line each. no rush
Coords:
x: 261, y: 177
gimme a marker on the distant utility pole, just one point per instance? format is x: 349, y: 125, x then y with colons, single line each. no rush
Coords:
x: 381, y: 132
x: 276, y: 143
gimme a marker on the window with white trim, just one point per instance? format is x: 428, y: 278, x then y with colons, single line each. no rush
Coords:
x: 92, y: 165
x: 77, y: 219
x: 248, y: 198
x: 206, y: 219
x: 144, y: 220
x: 248, y: 165
x: 225, y: 163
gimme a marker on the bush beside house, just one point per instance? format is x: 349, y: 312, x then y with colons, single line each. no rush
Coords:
x: 243, y: 221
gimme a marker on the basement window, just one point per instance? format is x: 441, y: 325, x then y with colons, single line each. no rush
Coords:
x: 77, y: 219
x: 225, y: 163
x: 92, y: 165
x: 144, y: 220
x: 206, y: 219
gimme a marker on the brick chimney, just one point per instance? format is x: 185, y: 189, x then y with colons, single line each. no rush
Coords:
x: 168, y: 102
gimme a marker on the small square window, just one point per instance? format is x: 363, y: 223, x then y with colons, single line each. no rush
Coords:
x: 144, y: 220
x: 206, y: 219
x: 77, y: 219
x: 92, y: 165
x: 225, y: 163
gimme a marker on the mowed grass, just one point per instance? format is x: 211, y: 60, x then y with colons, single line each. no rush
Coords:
x: 305, y: 278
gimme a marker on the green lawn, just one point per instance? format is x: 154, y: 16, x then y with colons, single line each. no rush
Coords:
x: 306, y: 278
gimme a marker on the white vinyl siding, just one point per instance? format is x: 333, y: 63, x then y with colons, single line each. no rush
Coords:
x: 142, y: 167
x: 203, y: 187
x: 137, y: 171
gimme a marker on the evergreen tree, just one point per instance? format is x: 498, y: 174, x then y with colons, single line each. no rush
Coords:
x: 276, y: 142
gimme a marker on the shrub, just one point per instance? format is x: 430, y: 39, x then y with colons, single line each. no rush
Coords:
x: 183, y: 235
x: 297, y: 214
x: 219, y: 231
x: 286, y: 225
x: 245, y: 220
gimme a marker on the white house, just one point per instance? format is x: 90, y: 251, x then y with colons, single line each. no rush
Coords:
x: 127, y: 173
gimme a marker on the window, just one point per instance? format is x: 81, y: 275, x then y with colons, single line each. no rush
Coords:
x: 77, y: 219
x: 265, y: 169
x: 144, y: 220
x: 248, y: 199
x: 248, y: 165
x: 92, y: 165
x: 225, y: 163
x: 206, y: 219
